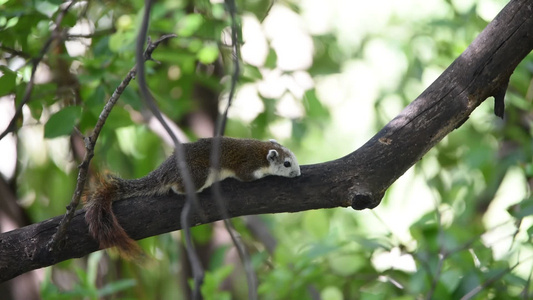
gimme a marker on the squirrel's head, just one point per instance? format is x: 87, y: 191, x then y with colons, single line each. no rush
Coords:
x: 282, y: 161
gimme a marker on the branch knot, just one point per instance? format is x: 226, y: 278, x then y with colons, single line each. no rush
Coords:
x: 366, y: 200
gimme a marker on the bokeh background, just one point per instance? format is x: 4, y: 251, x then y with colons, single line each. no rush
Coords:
x: 322, y: 77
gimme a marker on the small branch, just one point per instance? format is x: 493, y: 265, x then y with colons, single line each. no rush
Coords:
x: 236, y: 65
x: 525, y: 291
x: 261, y: 232
x: 499, y: 99
x: 90, y: 143
x: 15, y: 52
x: 442, y: 250
x: 215, y: 157
x: 244, y: 256
x: 179, y: 154
x: 492, y: 280
x: 95, y: 34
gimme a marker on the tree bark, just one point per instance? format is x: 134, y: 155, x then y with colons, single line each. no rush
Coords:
x: 359, y: 179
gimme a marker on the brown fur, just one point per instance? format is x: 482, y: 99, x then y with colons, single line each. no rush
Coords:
x: 242, y: 156
x: 103, y: 224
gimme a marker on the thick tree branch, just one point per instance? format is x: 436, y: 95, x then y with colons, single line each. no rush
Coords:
x: 358, y: 180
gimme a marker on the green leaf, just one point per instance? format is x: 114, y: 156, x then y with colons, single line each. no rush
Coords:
x: 259, y: 124
x: 43, y: 95
x: 327, y: 57
x: 116, y: 286
x: 313, y: 106
x: 173, y: 56
x: 46, y: 7
x: 271, y: 59
x: 371, y: 296
x: 529, y: 170
x: 195, y: 45
x: 522, y: 209
x: 250, y: 74
x: 372, y: 244
x: 317, y: 223
x: 530, y: 231
x: 331, y: 293
x: 190, y: 24
x: 218, y: 257
x: 70, y: 19
x: 346, y: 264
x: 320, y: 249
x: 7, y: 81
x: 260, y: 8
x: 208, y: 54
x: 202, y: 234
x: 119, y: 117
x: 451, y: 279
x: 87, y: 120
x: 122, y: 41
x: 131, y: 97
x: 212, y: 281
x: 299, y: 129
x: 62, y: 122
x: 97, y: 97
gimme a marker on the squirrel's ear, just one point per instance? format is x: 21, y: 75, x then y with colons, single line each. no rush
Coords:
x: 272, y: 154
x: 273, y: 141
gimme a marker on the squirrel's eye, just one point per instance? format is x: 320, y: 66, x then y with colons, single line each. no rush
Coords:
x: 287, y: 164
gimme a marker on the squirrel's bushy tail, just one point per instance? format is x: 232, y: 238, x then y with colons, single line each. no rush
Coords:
x: 103, y: 224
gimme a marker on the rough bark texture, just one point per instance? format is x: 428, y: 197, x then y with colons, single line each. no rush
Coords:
x: 358, y: 180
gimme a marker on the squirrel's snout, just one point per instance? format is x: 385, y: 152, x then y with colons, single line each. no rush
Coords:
x: 295, y: 173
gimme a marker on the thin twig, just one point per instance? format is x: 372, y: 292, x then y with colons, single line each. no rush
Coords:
x: 90, y: 143
x: 215, y: 158
x: 518, y: 223
x: 179, y: 154
x: 445, y: 254
x: 71, y: 36
x: 441, y: 255
x: 269, y: 8
x: 221, y: 128
x: 525, y: 292
x: 56, y: 34
x: 470, y: 242
x: 491, y: 280
x: 15, y: 52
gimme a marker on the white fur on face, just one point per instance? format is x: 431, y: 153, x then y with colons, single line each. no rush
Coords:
x: 288, y: 167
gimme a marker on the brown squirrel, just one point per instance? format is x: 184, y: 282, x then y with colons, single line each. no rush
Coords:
x: 243, y: 159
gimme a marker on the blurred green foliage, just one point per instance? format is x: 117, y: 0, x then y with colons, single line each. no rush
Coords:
x: 459, y: 222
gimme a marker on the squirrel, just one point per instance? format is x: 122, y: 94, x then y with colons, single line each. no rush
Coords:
x: 243, y: 159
